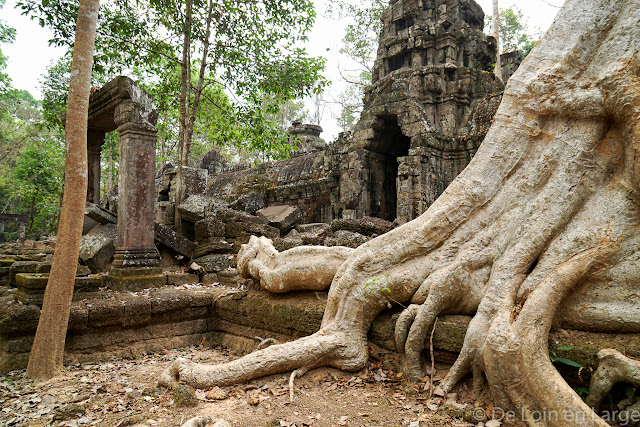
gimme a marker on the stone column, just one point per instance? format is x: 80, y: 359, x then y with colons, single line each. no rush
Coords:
x: 136, y: 261
x: 22, y: 226
x: 95, y: 139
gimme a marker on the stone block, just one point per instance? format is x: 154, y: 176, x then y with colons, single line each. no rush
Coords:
x: 99, y: 214
x: 316, y: 235
x: 195, y: 181
x: 368, y: 226
x: 228, y: 215
x: 346, y: 238
x: 212, y: 245
x: 282, y: 217
x: 19, y: 267
x: 207, y: 228
x: 229, y: 277
x: 282, y: 244
x: 209, y: 278
x: 174, y: 241
x: 182, y: 278
x: 249, y: 203
x: 135, y: 279
x: 97, y: 248
x: 235, y: 229
x: 196, y: 207
x: 213, y: 263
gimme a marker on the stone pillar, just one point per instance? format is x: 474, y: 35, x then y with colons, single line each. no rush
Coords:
x: 136, y: 261
x: 22, y: 226
x: 95, y: 139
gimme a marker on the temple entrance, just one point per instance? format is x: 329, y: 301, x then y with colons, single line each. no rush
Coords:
x: 389, y: 144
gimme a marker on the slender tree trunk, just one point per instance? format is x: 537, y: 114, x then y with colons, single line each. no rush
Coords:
x: 200, y: 87
x: 185, y: 100
x: 45, y: 360
x: 110, y: 178
x: 31, y: 210
x: 496, y: 34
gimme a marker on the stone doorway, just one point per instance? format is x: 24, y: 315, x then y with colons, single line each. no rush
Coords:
x: 386, y: 148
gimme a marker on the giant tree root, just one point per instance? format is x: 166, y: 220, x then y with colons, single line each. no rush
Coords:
x: 303, y: 267
x: 613, y: 367
x: 548, y: 207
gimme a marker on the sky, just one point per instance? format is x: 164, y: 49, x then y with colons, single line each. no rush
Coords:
x: 30, y: 54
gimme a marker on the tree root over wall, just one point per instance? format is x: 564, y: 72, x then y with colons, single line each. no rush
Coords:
x: 547, y: 208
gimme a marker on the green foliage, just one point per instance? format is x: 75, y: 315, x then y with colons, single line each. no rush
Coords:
x: 32, y: 162
x: 7, y: 35
x: 515, y: 33
x: 252, y: 53
x: 380, y: 284
x: 360, y: 44
x: 554, y: 357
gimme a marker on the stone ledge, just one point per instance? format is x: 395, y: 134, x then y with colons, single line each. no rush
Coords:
x: 130, y: 324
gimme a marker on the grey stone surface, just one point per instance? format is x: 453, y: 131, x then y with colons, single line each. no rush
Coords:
x: 173, y: 240
x: 97, y: 248
x: 249, y: 203
x: 282, y: 217
x: 213, y: 263
x: 346, y: 238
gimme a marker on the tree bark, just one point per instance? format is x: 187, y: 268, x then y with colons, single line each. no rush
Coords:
x: 496, y: 35
x: 45, y: 360
x: 185, y: 101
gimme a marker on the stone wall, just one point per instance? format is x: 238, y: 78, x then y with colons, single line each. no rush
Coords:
x: 132, y: 325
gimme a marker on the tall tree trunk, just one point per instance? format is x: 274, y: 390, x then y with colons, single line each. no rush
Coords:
x: 110, y: 178
x: 45, y: 360
x: 31, y: 210
x: 200, y: 87
x: 185, y: 100
x: 496, y: 34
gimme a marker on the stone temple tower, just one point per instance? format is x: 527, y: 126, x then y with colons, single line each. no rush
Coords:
x: 429, y: 106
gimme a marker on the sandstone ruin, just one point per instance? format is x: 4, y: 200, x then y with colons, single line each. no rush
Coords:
x: 487, y: 257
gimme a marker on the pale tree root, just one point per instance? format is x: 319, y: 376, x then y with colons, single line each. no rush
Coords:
x: 324, y: 348
x: 300, y: 268
x: 514, y: 355
x: 613, y: 367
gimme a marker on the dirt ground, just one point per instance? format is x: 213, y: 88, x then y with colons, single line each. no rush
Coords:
x: 122, y: 392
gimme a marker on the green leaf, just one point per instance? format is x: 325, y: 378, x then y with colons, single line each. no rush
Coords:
x: 568, y: 362
x: 564, y: 348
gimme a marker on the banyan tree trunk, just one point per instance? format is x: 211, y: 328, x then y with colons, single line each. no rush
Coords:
x: 547, y: 207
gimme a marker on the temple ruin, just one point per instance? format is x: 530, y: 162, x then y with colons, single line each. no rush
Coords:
x: 428, y: 108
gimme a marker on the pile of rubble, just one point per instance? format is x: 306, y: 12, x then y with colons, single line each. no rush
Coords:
x: 219, y: 229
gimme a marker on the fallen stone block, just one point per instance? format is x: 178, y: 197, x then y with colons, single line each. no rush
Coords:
x: 213, y: 263
x: 234, y: 229
x: 174, y: 241
x: 367, y: 226
x: 249, y: 203
x: 211, y: 246
x: 315, y: 236
x: 209, y: 278
x: 97, y: 248
x: 208, y: 228
x: 229, y: 215
x: 282, y: 244
x: 99, y: 214
x: 196, y: 207
x: 346, y: 238
x: 282, y: 217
